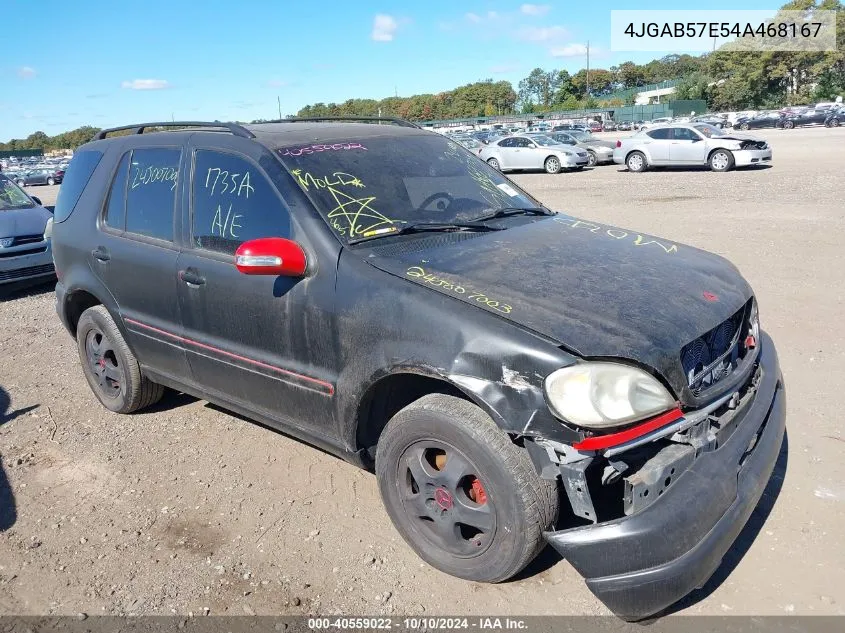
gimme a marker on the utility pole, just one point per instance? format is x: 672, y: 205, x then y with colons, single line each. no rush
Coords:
x: 588, y: 68
x: 279, y: 101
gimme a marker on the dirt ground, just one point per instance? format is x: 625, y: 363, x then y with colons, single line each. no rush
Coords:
x: 188, y: 509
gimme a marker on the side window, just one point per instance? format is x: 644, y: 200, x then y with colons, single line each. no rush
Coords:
x: 660, y: 134
x: 233, y: 202
x: 508, y: 142
x: 116, y: 204
x: 685, y: 134
x: 76, y: 178
x: 151, y: 194
x: 521, y: 142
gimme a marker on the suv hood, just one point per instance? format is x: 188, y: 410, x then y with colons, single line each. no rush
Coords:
x: 597, y: 290
x: 23, y: 221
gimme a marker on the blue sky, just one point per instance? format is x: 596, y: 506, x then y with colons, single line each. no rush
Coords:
x: 105, y: 63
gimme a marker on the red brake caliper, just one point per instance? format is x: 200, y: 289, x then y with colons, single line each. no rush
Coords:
x: 477, y: 492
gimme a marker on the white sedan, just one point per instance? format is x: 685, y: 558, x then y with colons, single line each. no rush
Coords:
x: 695, y: 145
x: 534, y: 151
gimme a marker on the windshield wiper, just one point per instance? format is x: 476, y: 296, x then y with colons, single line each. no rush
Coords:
x: 422, y: 227
x: 492, y: 214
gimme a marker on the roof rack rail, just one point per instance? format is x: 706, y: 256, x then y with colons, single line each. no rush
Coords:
x: 234, y: 128
x: 366, y: 119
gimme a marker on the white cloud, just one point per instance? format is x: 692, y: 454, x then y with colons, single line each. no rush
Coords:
x: 473, y: 17
x: 145, y: 84
x: 570, y: 50
x: 542, y: 34
x: 535, y: 9
x: 26, y: 72
x: 384, y: 28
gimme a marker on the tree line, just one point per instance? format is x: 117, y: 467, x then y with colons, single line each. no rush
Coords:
x: 726, y: 80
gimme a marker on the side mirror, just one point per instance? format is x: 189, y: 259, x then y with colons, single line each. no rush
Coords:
x: 37, y: 201
x: 271, y: 256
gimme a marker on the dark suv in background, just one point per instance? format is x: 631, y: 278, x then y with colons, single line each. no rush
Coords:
x: 363, y: 286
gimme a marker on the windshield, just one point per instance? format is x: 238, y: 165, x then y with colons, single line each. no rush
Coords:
x: 12, y: 196
x: 383, y: 183
x: 580, y: 135
x: 709, y: 130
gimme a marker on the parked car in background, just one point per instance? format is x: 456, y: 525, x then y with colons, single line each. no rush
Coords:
x: 809, y: 117
x: 835, y: 118
x: 598, y: 150
x: 609, y: 126
x: 594, y: 126
x: 762, y: 120
x: 625, y: 126
x: 472, y: 144
x: 692, y: 145
x: 25, y: 231
x: 533, y: 151
x: 40, y: 177
x: 710, y: 119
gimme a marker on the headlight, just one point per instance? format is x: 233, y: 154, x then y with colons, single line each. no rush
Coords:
x: 567, y: 152
x: 599, y: 395
x: 48, y: 230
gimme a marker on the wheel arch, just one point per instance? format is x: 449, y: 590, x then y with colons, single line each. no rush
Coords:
x: 76, y: 302
x: 391, y: 393
x: 717, y: 149
x: 637, y: 150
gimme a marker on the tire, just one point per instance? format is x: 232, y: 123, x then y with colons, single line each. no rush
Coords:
x: 788, y: 125
x: 110, y: 367
x: 51, y: 181
x: 636, y: 162
x: 516, y: 507
x: 592, y: 159
x: 834, y: 123
x: 21, y: 183
x: 721, y: 160
x: 552, y: 165
x: 494, y: 164
x: 744, y: 126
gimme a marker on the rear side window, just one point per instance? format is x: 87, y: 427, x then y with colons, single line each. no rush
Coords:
x: 151, y: 192
x: 76, y: 178
x: 233, y: 202
x: 116, y: 205
x: 661, y: 134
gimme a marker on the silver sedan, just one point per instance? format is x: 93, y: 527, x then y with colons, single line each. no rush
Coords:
x: 25, y: 230
x: 533, y: 151
x: 697, y: 144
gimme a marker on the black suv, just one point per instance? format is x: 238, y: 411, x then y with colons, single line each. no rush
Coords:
x: 378, y: 291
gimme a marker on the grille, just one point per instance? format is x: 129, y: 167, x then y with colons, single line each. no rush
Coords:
x: 27, y: 239
x: 711, y: 357
x: 26, y: 272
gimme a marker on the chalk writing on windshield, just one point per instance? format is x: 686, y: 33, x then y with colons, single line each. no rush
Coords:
x: 311, y: 149
x: 225, y: 225
x: 617, y: 234
x: 151, y: 174
x: 489, y: 190
x: 353, y: 214
x: 417, y: 272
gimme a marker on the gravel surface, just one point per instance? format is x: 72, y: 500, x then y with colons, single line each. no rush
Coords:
x: 189, y: 509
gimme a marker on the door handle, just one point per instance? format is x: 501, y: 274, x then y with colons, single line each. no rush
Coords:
x: 101, y: 253
x: 192, y: 277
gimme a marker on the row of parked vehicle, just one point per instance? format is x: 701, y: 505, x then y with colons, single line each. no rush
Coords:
x: 790, y: 119
x: 35, y: 171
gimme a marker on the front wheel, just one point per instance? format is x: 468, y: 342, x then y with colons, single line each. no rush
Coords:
x: 592, y: 159
x: 552, y: 165
x: 636, y: 162
x: 788, y: 125
x: 111, y: 369
x: 834, y: 123
x: 744, y: 126
x: 464, y: 497
x: 721, y: 160
x: 21, y: 183
x: 494, y: 164
x: 51, y: 181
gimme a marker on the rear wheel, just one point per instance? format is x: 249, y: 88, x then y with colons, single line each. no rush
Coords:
x: 464, y: 497
x: 552, y: 165
x: 111, y: 369
x: 834, y: 123
x: 721, y: 160
x: 788, y: 125
x: 744, y: 126
x: 494, y: 164
x: 21, y: 183
x: 636, y: 162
